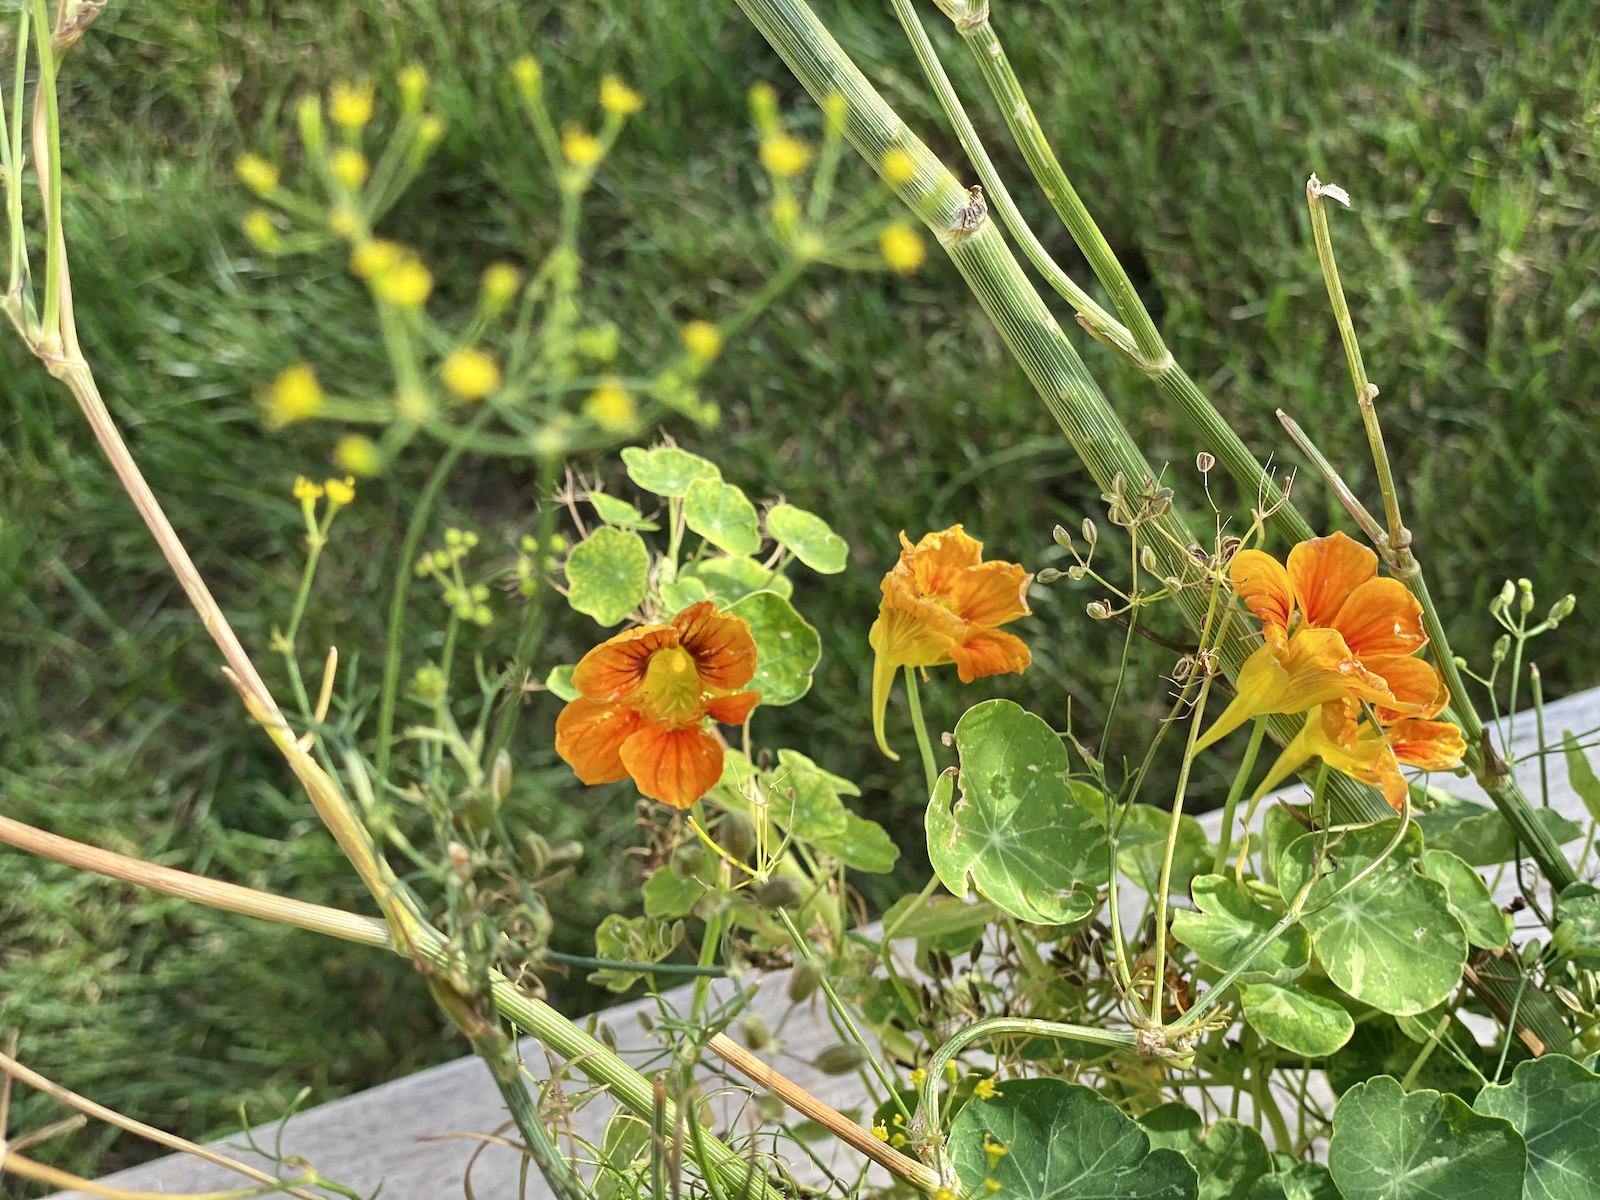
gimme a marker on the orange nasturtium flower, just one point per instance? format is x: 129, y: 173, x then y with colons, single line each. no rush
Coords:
x: 643, y: 699
x: 942, y: 604
x: 1335, y: 635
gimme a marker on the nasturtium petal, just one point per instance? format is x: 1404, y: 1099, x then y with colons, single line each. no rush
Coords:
x: 1016, y: 828
x: 618, y: 512
x: 1229, y: 922
x: 809, y: 538
x: 720, y: 513
x: 788, y: 648
x: 607, y: 574
x: 1300, y: 1021
x: 666, y: 470
x: 1554, y: 1103
x: 1424, y: 1145
x: 1469, y: 898
x: 1064, y: 1142
x: 1390, y: 941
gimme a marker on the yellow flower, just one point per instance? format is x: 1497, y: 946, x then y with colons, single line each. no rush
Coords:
x: 991, y: 1186
x: 579, y: 148
x: 374, y: 258
x: 617, y: 97
x: 610, y: 407
x: 429, y: 130
x: 294, y: 396
x: 343, y: 221
x: 992, y: 1149
x: 413, y: 404
x: 943, y: 604
x: 702, y: 339
x: 918, y: 1077
x: 349, y: 166
x: 944, y: 1193
x: 784, y: 155
x: 763, y: 105
x: 350, y: 105
x: 898, y: 165
x: 357, y: 455
x: 340, y: 491
x: 304, y: 489
x: 413, y: 82
x: 256, y: 173
x: 881, y: 1132
x: 470, y: 373
x: 406, y: 284
x: 529, y: 77
x: 902, y: 248
x: 985, y: 1089
x: 263, y: 234
x: 834, y: 108
x: 500, y: 282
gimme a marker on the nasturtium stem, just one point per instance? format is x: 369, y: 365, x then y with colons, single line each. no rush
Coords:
x: 50, y: 151
x: 930, y: 767
x: 1241, y: 779
x: 1163, y: 893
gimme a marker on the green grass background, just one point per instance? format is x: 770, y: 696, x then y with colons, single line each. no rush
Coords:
x: 1469, y: 136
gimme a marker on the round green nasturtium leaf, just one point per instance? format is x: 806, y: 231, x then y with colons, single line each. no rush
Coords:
x: 1229, y: 1160
x: 1577, y: 932
x: 1064, y: 1141
x: 669, y: 895
x: 1299, y: 1021
x: 939, y: 917
x: 1469, y: 898
x: 1475, y: 832
x: 1016, y: 831
x: 666, y: 470
x: 720, y: 513
x: 1142, y: 847
x: 681, y: 593
x: 1379, y: 1047
x: 1424, y: 1145
x: 625, y: 1151
x: 620, y: 513
x: 1554, y: 1103
x: 1302, y: 1181
x: 730, y: 580
x: 805, y: 799
x: 1228, y: 922
x: 1391, y: 941
x: 607, y: 573
x: 809, y: 538
x: 863, y: 846
x: 787, y: 648
x: 559, y: 681
x: 1173, y: 1125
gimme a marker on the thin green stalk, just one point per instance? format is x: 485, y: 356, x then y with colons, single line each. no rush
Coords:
x: 1537, y: 684
x: 54, y: 242
x: 13, y: 161
x: 1409, y: 1080
x: 643, y: 968
x: 907, y: 999
x: 1158, y: 986
x: 1240, y: 779
x: 930, y: 767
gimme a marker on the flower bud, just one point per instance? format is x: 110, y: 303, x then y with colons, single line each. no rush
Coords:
x: 1503, y: 601
x: 803, y: 980
x: 753, y: 1029
x: 1076, y: 573
x: 534, y: 857
x: 566, y: 853
x: 1525, y: 586
x: 460, y: 861
x: 778, y: 892
x: 428, y: 683
x: 1062, y: 537
x: 1561, y: 609
x: 1502, y: 646
x: 500, y: 776
x: 1091, y: 533
x: 1047, y: 575
x: 770, y: 1107
x: 413, y: 82
x: 840, y: 1059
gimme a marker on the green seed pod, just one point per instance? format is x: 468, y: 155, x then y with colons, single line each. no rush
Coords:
x: 500, y: 776
x: 535, y: 856
x: 567, y: 853
x: 1062, y: 537
x: 840, y: 1059
x: 769, y: 1107
x: 778, y: 892
x: 1562, y: 609
x: 803, y: 980
x: 737, y: 835
x: 688, y: 858
x: 753, y: 1029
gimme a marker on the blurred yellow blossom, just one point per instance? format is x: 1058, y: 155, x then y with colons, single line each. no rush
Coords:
x: 898, y: 165
x: 340, y: 491
x: 617, y: 97
x: 349, y: 166
x: 429, y: 130
x: 529, y: 77
x: 263, y: 234
x: 470, y: 373
x: 294, y: 396
x: 500, y: 282
x: 902, y: 248
x: 413, y: 81
x: 835, y: 107
x: 764, y: 105
x: 343, y: 221
x: 413, y: 404
x: 405, y: 285
x: 702, y: 339
x: 357, y: 455
x: 985, y: 1089
x: 305, y: 490
x: 579, y: 148
x: 611, y: 408
x: 256, y: 173
x: 784, y: 155
x: 375, y: 257
x: 350, y: 104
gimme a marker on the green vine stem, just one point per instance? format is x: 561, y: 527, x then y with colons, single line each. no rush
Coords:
x: 930, y: 766
x: 1241, y: 779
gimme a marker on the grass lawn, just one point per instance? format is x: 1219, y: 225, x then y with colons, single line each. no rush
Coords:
x: 1469, y: 137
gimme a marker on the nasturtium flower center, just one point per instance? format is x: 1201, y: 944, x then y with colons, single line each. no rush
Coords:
x: 671, y: 688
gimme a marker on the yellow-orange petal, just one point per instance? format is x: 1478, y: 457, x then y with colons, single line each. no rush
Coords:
x: 732, y: 710
x: 590, y: 735
x: 990, y: 652
x: 1381, y: 619
x: 676, y: 766
x: 724, y: 651
x: 1324, y: 571
x: 930, y: 613
x: 898, y: 640
x: 1419, y: 689
x: 1262, y: 583
x: 938, y: 558
x: 1431, y: 745
x: 617, y: 665
x: 989, y: 594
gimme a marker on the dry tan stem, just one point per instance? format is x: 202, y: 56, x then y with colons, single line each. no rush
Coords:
x: 831, y: 1119
x: 26, y: 1168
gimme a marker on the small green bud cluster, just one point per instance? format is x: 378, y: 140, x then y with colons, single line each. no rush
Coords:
x: 468, y: 602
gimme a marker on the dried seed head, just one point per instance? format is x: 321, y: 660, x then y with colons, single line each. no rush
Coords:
x: 1227, y: 548
x: 1204, y: 462
x: 1047, y: 575
x: 753, y: 1028
x: 1091, y: 534
x: 1147, y: 559
x: 1076, y: 573
x: 1098, y: 609
x: 1062, y: 537
x: 778, y: 892
x: 803, y: 980
x: 1182, y: 669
